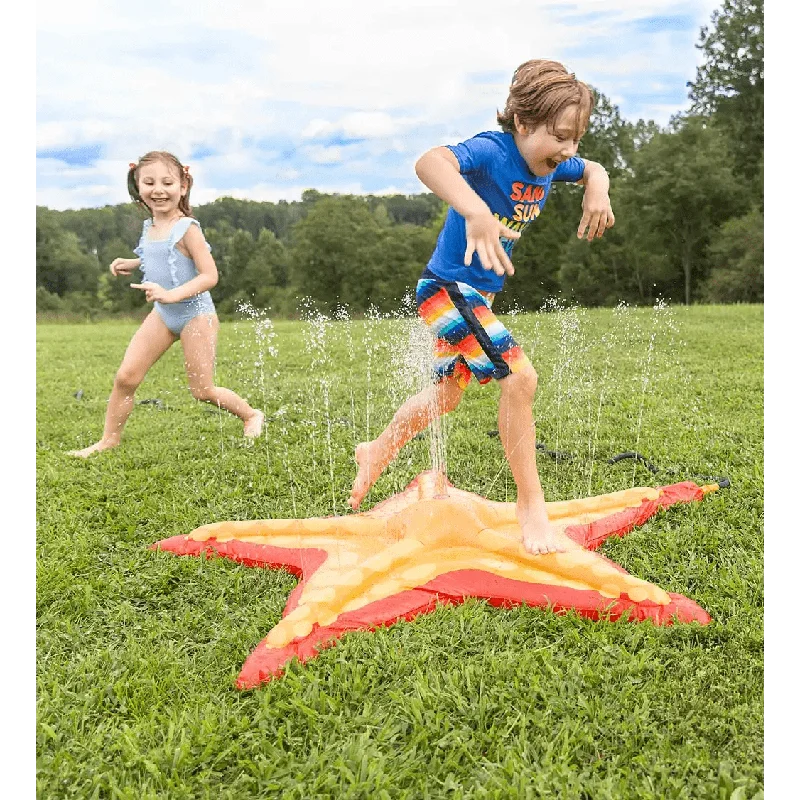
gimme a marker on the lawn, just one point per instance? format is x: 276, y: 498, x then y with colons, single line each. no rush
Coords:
x: 138, y: 651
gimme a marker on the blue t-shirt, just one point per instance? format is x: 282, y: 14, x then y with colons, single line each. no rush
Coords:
x: 491, y: 164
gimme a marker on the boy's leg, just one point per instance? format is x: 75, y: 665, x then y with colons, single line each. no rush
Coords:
x: 491, y: 352
x: 412, y: 417
x: 518, y: 434
x: 148, y: 344
x: 199, y: 341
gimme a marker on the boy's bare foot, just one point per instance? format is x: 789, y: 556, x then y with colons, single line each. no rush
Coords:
x: 370, y: 467
x: 97, y: 447
x: 253, y: 424
x: 539, y: 536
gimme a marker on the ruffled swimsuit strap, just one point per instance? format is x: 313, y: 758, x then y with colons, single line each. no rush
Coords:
x: 139, y: 249
x: 176, y: 234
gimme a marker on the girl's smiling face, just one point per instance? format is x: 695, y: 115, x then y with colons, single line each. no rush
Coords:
x: 160, y: 187
x: 543, y: 149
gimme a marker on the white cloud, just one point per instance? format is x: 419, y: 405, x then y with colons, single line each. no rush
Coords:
x: 323, y: 155
x: 366, y: 124
x: 264, y: 90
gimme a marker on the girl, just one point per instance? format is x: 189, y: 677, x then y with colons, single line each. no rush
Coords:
x: 178, y: 272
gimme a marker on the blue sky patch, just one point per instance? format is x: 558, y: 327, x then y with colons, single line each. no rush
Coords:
x: 679, y: 22
x: 81, y: 156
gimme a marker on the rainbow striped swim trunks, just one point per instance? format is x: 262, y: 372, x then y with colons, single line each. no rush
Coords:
x: 470, y: 340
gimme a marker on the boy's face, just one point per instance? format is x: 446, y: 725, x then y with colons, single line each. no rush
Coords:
x: 542, y: 150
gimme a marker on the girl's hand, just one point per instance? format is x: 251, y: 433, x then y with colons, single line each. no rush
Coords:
x: 153, y: 291
x: 123, y: 266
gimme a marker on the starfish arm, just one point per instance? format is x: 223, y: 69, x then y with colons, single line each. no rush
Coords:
x: 303, y: 529
x: 267, y: 662
x: 592, y: 532
x: 506, y: 592
x: 337, y: 590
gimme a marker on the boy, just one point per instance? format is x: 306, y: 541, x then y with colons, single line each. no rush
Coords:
x: 495, y: 184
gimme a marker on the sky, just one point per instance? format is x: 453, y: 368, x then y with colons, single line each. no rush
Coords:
x: 266, y: 99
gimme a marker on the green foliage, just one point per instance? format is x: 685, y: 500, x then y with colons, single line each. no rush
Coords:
x: 400, y: 253
x: 610, y: 140
x: 420, y: 210
x: 61, y: 265
x: 96, y: 228
x: 333, y: 253
x: 730, y: 82
x: 47, y: 301
x: 683, y: 188
x: 249, y: 215
x: 137, y: 651
x: 607, y: 271
x: 256, y: 271
x: 736, y: 255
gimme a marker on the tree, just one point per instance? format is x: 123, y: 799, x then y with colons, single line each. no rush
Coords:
x: 245, y: 215
x: 400, y: 253
x: 684, y: 189
x: 265, y: 271
x: 415, y: 209
x: 93, y: 226
x: 333, y: 252
x: 61, y: 265
x: 736, y: 254
x: 609, y: 139
x: 730, y: 82
x: 626, y: 264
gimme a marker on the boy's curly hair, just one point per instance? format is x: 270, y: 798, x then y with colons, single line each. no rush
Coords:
x: 539, y: 91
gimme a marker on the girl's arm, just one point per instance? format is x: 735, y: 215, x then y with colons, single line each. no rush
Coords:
x: 124, y: 266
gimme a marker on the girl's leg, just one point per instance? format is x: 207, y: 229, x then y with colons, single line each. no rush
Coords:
x: 148, y: 344
x: 412, y: 417
x: 518, y: 434
x: 199, y: 341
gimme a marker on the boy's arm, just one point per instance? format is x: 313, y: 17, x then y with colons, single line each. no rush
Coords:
x: 597, y: 213
x: 439, y: 170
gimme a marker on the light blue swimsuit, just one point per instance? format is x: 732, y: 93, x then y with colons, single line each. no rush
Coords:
x: 164, y: 264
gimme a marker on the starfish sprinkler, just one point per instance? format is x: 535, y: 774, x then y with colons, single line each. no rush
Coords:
x: 433, y: 543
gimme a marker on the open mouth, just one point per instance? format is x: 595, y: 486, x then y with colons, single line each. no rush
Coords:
x: 552, y: 163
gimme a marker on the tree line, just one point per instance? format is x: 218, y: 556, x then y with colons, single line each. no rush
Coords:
x: 688, y: 199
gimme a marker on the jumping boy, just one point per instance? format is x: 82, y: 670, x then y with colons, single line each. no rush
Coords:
x: 496, y: 184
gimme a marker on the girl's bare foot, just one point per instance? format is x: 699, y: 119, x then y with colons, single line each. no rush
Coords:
x: 370, y: 466
x: 253, y: 424
x: 97, y: 447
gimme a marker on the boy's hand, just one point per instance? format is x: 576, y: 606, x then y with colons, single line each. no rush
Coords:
x: 597, y: 214
x: 154, y: 291
x: 483, y: 236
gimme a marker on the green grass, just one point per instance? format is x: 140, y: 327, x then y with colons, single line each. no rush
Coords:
x: 137, y: 651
